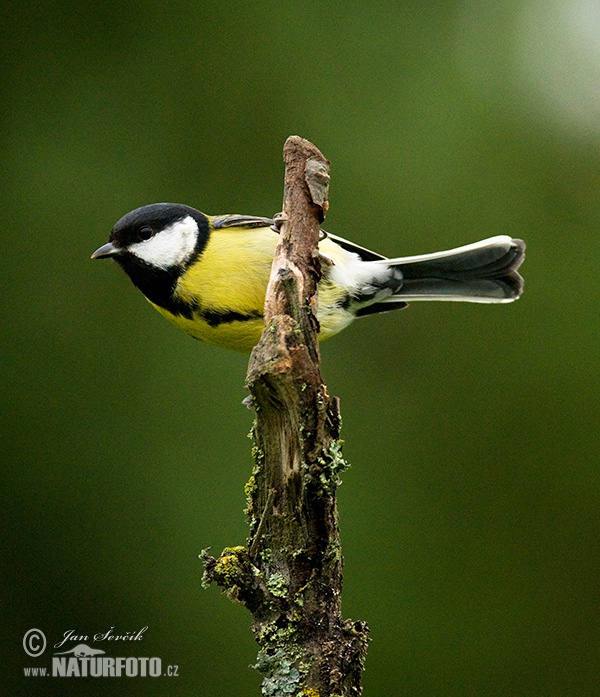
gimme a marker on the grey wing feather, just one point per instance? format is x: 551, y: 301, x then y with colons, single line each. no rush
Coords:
x: 249, y: 221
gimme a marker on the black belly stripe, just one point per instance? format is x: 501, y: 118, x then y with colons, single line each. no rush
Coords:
x: 214, y: 318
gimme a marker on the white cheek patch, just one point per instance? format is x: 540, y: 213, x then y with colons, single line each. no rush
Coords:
x: 170, y: 247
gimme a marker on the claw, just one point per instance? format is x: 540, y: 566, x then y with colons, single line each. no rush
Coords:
x: 323, y: 258
x: 278, y: 220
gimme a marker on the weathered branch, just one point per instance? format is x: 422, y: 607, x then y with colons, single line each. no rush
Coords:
x: 290, y: 576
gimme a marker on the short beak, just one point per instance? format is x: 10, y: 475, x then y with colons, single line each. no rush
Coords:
x: 107, y: 250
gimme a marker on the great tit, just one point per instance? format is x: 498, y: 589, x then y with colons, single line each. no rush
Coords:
x: 208, y: 275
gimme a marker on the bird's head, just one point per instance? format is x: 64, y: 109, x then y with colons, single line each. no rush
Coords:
x: 164, y: 236
x: 155, y: 245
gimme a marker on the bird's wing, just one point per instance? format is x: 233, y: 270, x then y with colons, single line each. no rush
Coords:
x: 364, y: 254
x: 248, y: 221
x: 253, y: 221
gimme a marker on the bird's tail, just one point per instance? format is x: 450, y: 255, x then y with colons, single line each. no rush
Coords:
x: 482, y: 272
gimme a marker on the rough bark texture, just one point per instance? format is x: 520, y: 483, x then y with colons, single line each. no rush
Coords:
x: 290, y: 574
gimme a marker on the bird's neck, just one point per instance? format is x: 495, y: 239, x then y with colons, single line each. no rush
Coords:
x: 158, y: 285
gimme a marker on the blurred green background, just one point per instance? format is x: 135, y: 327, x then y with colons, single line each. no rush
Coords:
x: 470, y: 516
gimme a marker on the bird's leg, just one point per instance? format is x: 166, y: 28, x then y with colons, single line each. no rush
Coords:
x: 323, y: 258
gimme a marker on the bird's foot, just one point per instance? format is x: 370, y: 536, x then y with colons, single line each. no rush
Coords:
x: 278, y: 220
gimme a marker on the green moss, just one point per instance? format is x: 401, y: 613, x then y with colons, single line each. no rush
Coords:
x: 271, y: 636
x: 284, y: 635
x: 281, y: 678
x: 333, y: 464
x: 252, y: 521
x: 228, y: 569
x: 250, y: 486
x: 266, y: 555
x: 277, y: 585
x: 249, y: 490
x: 205, y: 558
x: 334, y: 551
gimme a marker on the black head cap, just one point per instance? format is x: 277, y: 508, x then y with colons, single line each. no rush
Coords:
x: 152, y: 219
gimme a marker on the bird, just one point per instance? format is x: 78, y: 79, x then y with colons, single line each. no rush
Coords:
x: 208, y: 275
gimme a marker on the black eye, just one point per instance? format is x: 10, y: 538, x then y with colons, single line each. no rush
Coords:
x: 145, y: 233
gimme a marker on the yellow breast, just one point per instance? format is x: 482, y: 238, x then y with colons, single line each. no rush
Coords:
x: 229, y: 283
